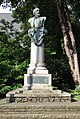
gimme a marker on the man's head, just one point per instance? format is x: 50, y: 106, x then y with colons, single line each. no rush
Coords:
x: 36, y: 12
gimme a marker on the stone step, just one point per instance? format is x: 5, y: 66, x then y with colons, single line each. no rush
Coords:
x: 40, y: 108
x: 22, y: 96
x: 40, y: 116
x: 67, y: 110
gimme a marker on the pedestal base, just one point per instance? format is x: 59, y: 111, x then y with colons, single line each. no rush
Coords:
x: 23, y: 95
x: 39, y: 69
x: 37, y: 81
x: 37, y: 88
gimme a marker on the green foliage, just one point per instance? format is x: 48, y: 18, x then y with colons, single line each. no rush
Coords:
x: 14, y: 58
x: 57, y: 63
x: 4, y: 90
x: 19, y: 85
x: 76, y: 93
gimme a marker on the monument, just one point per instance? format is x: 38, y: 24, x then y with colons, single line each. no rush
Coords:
x: 37, y: 82
x: 37, y: 74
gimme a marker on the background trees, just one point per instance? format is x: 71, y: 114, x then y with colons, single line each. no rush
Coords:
x: 69, y: 39
x: 13, y: 61
x: 15, y: 45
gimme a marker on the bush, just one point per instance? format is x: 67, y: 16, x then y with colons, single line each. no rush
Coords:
x: 4, y: 90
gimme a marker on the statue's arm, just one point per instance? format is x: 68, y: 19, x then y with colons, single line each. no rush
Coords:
x: 44, y: 19
x: 29, y: 21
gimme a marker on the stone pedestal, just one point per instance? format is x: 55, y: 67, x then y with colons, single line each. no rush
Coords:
x: 37, y: 76
x: 37, y: 65
x: 37, y: 81
x: 34, y: 96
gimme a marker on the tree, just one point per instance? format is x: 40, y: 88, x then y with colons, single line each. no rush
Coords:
x: 13, y: 61
x: 69, y: 39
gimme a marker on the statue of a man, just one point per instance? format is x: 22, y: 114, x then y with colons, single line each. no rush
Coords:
x: 37, y: 30
x: 37, y: 33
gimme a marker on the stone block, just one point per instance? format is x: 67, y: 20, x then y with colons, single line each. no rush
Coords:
x: 37, y: 81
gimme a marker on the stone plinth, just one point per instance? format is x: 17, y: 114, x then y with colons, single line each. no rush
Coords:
x: 37, y: 81
x: 23, y: 95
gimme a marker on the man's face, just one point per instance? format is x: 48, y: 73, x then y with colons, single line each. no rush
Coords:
x: 37, y: 12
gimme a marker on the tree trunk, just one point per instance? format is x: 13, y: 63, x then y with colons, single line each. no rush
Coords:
x: 69, y: 40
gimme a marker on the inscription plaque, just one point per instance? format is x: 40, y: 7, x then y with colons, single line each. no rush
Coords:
x: 38, y: 79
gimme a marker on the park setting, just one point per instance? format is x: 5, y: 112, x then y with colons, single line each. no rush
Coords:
x: 39, y: 59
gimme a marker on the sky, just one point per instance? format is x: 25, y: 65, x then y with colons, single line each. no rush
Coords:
x: 5, y: 10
